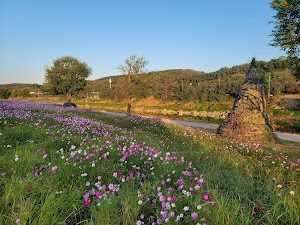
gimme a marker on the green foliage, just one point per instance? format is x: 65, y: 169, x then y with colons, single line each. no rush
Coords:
x: 66, y: 76
x: 4, y: 93
x: 287, y: 120
x: 23, y: 93
x: 286, y: 26
x: 286, y: 33
x: 197, y: 86
x: 132, y: 67
x: 253, y: 63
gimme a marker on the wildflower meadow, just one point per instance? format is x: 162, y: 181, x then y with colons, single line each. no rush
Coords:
x: 78, y: 166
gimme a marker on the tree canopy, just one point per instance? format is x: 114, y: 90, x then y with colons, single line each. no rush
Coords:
x: 66, y: 76
x: 191, y: 85
x: 286, y: 32
x: 133, y: 65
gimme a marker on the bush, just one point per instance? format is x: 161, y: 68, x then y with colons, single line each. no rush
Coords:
x: 20, y: 93
x: 69, y: 104
x: 5, y: 93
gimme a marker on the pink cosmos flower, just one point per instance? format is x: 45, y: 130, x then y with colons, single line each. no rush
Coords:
x: 86, y: 203
x: 86, y: 196
x: 194, y: 215
x: 35, y: 173
x: 29, y: 188
x: 99, y: 194
x: 206, y: 197
x: 53, y: 170
x: 187, y: 173
x: 119, y: 173
x: 97, y: 184
x: 197, y: 187
x: 200, y: 181
x: 260, y: 208
x: 179, y: 181
x: 38, y: 150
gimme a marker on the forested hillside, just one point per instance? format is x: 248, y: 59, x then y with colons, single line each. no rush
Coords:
x: 195, y: 85
x: 178, y: 84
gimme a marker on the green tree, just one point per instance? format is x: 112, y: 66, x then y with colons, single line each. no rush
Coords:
x: 4, y: 93
x: 67, y: 76
x: 132, y: 67
x: 20, y: 92
x: 286, y: 31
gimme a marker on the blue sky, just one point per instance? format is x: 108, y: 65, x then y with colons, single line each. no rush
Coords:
x: 171, y: 34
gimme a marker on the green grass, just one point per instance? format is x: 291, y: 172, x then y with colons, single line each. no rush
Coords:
x: 286, y: 112
x: 289, y: 143
x: 242, y: 178
x: 286, y: 120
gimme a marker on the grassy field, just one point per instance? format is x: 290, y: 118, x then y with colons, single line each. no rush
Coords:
x: 285, y: 120
x: 78, y: 166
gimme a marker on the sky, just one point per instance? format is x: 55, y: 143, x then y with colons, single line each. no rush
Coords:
x: 171, y: 34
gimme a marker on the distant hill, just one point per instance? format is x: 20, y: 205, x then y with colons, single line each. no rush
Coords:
x: 186, y: 84
x: 19, y: 86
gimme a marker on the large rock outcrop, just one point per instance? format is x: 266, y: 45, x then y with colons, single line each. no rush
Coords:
x: 248, y: 119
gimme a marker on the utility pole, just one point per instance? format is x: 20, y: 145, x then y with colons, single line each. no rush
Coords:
x: 269, y: 92
x: 109, y: 83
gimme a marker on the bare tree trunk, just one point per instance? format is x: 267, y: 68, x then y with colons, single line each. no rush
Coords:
x: 129, y: 105
x: 69, y: 96
x: 129, y: 97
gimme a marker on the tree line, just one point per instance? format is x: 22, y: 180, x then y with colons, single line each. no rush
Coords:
x: 191, y: 85
x: 177, y: 84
